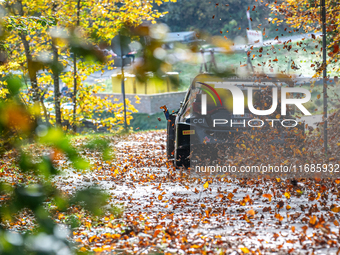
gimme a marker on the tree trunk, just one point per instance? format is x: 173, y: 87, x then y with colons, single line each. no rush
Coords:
x: 56, y: 85
x: 31, y: 71
x: 74, y: 91
x: 75, y: 75
x: 44, y: 109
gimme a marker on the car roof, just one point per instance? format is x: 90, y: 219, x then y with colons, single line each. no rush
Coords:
x: 259, y: 81
x: 273, y: 80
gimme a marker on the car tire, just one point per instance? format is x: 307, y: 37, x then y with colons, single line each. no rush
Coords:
x: 181, y: 158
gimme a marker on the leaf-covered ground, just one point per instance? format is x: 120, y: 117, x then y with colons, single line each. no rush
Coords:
x: 155, y: 208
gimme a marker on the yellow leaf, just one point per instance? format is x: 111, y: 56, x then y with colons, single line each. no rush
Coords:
x: 206, y: 185
x: 287, y: 195
x: 245, y: 250
x: 318, y: 197
x: 195, y: 246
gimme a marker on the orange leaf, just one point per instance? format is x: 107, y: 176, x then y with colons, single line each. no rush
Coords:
x: 312, y: 220
x: 156, y: 233
x: 92, y: 238
x: 230, y: 196
x: 279, y: 217
x: 251, y: 212
x: 115, y: 236
x: 335, y: 209
x: 269, y: 196
x: 160, y: 197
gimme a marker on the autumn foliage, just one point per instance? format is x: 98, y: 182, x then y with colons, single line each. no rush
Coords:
x: 305, y: 17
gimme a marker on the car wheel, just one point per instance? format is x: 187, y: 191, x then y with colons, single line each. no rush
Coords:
x: 182, y: 158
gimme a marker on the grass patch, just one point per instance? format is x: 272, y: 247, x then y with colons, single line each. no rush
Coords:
x: 144, y: 121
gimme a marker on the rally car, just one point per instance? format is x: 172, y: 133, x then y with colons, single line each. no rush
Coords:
x: 206, y: 116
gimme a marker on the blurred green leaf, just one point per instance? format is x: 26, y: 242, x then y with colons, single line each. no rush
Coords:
x: 13, y: 85
x: 93, y: 199
x: 101, y: 145
x: 31, y: 196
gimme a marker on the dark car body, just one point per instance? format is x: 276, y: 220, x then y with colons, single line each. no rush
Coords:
x: 188, y: 128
